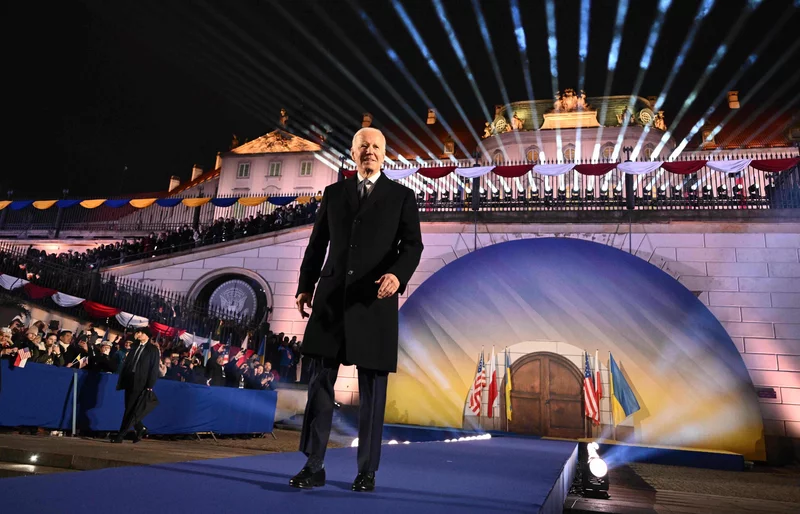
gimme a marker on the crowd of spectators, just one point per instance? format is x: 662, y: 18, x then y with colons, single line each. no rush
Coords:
x: 84, y: 348
x: 181, y: 239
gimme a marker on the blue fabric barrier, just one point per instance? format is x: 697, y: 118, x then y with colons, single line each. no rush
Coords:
x: 40, y: 395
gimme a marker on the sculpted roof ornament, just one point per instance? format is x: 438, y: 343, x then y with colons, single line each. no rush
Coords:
x: 277, y: 141
x: 570, y: 101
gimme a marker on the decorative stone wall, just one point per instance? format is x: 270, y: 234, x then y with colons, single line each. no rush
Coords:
x: 748, y: 274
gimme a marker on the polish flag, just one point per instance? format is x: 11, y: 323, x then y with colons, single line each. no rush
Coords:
x: 493, y: 395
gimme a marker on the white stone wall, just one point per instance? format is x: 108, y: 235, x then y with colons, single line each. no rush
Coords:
x: 748, y: 274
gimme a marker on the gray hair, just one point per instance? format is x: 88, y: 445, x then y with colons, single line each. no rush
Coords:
x: 363, y: 130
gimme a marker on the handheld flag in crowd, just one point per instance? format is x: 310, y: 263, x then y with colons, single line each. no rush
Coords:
x: 508, y: 386
x: 476, y: 392
x: 83, y: 362
x: 623, y: 401
x: 23, y: 354
x: 589, y: 394
x: 493, y: 393
x: 244, y: 343
x: 262, y: 349
x: 207, y: 352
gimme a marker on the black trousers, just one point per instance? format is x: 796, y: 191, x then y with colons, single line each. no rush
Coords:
x: 319, y: 413
x: 129, y: 417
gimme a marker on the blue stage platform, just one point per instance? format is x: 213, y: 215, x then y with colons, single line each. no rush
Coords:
x: 502, y: 474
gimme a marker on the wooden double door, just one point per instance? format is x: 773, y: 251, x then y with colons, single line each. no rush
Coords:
x: 546, y: 396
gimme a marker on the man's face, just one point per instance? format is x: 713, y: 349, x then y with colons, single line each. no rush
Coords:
x: 83, y: 345
x: 167, y: 362
x: 16, y: 326
x: 105, y: 349
x: 369, y: 149
x: 66, y: 338
x: 220, y: 360
x: 267, y: 366
x: 127, y: 345
x: 259, y: 370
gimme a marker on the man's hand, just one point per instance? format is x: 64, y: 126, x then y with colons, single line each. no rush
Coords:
x: 388, y: 286
x: 301, y: 301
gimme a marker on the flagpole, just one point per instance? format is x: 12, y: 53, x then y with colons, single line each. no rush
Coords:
x: 483, y: 388
x: 508, y: 370
x: 611, y: 399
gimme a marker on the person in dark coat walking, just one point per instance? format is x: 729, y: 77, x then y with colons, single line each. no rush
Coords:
x: 372, y: 225
x: 139, y: 374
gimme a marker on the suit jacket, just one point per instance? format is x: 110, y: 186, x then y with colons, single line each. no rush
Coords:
x: 382, y: 235
x: 145, y: 374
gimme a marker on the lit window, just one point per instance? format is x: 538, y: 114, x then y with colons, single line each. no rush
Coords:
x: 244, y: 170
x: 532, y: 154
x: 608, y: 151
x: 305, y: 168
x: 449, y: 147
x: 275, y: 169
x: 498, y: 157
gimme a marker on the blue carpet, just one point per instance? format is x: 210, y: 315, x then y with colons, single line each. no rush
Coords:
x: 499, y: 475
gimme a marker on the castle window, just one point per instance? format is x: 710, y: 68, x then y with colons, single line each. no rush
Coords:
x: 305, y: 168
x: 243, y: 171
x: 532, y: 154
x: 449, y: 147
x: 607, y: 152
x: 275, y: 169
x: 648, y: 151
x: 498, y: 157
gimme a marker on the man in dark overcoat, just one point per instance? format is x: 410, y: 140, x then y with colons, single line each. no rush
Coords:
x: 372, y: 226
x: 139, y: 374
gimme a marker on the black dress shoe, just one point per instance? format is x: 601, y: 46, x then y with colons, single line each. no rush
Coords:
x: 308, y: 479
x: 139, y: 435
x: 364, y: 482
x: 117, y: 440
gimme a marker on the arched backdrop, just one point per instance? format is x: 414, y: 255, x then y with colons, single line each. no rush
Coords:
x: 687, y: 374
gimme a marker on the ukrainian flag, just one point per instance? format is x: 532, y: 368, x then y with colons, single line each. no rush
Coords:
x: 623, y: 401
x: 508, y: 386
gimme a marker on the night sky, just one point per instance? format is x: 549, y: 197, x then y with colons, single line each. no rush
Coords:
x: 155, y: 87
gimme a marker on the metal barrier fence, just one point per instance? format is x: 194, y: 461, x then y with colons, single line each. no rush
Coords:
x: 131, y: 296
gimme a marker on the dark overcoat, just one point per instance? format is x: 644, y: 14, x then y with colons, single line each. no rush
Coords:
x: 382, y: 235
x: 146, y: 372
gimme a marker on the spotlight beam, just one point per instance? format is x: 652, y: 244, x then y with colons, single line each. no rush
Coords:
x: 613, y: 56
x: 522, y: 46
x: 487, y: 42
x: 422, y: 47
x: 552, y: 50
x: 715, y: 60
x: 732, y: 82
x: 395, y: 58
x: 583, y: 51
x: 254, y: 97
x: 340, y: 34
x: 462, y: 59
x: 786, y: 85
x: 702, y: 11
x: 343, y: 69
x: 644, y: 65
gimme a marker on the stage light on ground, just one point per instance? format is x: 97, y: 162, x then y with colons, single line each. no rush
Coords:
x: 753, y: 190
x: 393, y: 442
x: 594, y: 471
x: 354, y: 444
x: 34, y: 457
x: 406, y: 442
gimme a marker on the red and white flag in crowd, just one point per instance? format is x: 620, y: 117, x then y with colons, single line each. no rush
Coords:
x: 590, y: 397
x: 192, y: 350
x: 493, y: 395
x: 598, y: 382
x: 23, y: 354
x: 476, y: 392
x: 244, y: 343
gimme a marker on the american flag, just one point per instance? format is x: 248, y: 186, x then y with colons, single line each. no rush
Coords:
x: 589, y: 393
x: 477, y: 387
x: 598, y: 382
x: 23, y: 354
